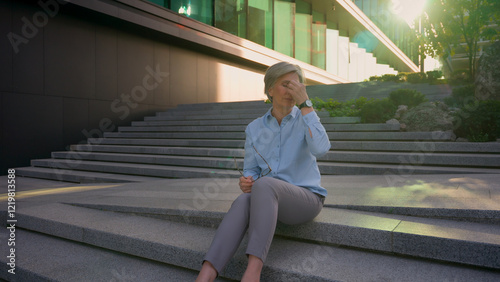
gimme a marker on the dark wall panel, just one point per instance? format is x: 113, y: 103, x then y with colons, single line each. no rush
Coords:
x: 75, y: 120
x: 135, y: 57
x: 69, y: 57
x: 33, y: 128
x: 28, y: 62
x: 106, y: 59
x: 162, y: 90
x: 184, y: 72
x: 6, y: 47
x: 3, y: 149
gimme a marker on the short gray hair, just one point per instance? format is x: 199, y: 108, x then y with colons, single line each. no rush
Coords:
x: 274, y: 72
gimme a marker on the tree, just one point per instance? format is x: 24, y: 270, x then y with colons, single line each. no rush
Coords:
x: 448, y: 23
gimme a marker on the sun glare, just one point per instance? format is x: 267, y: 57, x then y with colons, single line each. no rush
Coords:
x: 409, y: 10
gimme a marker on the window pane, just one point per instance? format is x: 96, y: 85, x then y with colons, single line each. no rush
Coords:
x: 303, y: 37
x: 158, y: 2
x: 283, y: 27
x: 230, y: 16
x: 260, y: 22
x: 319, y: 45
x: 197, y: 9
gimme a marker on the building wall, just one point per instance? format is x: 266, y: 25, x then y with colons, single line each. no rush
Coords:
x: 67, y: 74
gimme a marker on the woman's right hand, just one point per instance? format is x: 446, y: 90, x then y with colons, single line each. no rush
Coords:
x: 246, y: 184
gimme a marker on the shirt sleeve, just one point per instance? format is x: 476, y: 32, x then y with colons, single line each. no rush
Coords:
x: 250, y: 165
x: 319, y: 144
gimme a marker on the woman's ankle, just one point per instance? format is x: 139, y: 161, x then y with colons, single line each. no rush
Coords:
x: 207, y: 273
x: 254, y: 269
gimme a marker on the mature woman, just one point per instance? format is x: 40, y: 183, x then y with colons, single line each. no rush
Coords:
x: 281, y: 179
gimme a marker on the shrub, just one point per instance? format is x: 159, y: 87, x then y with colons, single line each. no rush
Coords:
x: 482, y: 123
x: 377, y: 111
x: 459, y: 77
x: 434, y: 75
x: 390, y: 77
x: 430, y: 116
x: 416, y: 77
x: 408, y: 97
x: 461, y: 97
x: 349, y: 108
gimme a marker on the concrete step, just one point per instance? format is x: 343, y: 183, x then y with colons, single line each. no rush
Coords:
x: 203, y: 158
x: 325, y: 117
x: 244, y: 122
x: 75, y: 176
x: 42, y: 257
x: 435, y: 159
x: 392, y: 136
x: 200, y: 117
x: 148, y: 170
x: 102, y: 167
x: 418, y: 146
x: 169, y: 142
x: 369, y: 136
x: 182, y: 244
x: 153, y: 150
x: 226, y: 105
x: 332, y: 168
x: 241, y: 128
x: 169, y: 160
x: 222, y: 112
x: 177, y: 135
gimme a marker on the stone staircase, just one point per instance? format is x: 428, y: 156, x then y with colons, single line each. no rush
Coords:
x: 160, y: 231
x: 201, y: 140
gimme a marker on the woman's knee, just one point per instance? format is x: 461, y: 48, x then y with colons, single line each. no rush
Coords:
x: 242, y: 200
x: 263, y: 185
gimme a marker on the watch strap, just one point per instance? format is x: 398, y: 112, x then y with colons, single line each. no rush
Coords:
x: 305, y: 104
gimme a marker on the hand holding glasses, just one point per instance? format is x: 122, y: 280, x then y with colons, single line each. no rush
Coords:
x: 263, y: 173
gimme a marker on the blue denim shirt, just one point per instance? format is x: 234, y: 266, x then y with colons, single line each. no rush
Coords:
x: 288, y: 149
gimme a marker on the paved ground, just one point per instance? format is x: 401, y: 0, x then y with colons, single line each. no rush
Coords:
x: 471, y: 196
x: 474, y: 191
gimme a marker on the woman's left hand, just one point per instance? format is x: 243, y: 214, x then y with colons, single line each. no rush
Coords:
x: 246, y: 184
x: 298, y: 91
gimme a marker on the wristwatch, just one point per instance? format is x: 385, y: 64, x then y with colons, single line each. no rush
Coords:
x: 307, y: 103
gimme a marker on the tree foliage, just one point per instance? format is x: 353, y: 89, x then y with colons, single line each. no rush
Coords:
x: 450, y: 23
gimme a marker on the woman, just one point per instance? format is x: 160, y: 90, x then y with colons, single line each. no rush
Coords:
x: 281, y: 179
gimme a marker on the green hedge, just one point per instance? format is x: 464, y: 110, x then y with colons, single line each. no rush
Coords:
x: 371, y: 110
x: 408, y: 97
x: 412, y: 77
x: 479, y: 122
x: 461, y: 96
x: 378, y: 111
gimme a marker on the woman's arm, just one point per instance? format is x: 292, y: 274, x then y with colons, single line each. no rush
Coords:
x: 316, y: 136
x: 251, y: 167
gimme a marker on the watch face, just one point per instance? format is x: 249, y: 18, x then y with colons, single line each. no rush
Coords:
x: 309, y: 103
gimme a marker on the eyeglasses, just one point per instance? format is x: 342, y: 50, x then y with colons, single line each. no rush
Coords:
x: 263, y: 173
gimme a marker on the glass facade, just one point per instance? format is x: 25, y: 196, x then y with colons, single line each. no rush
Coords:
x: 297, y: 28
x: 381, y: 14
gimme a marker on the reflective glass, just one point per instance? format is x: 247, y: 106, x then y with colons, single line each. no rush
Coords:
x: 283, y: 27
x: 303, y: 37
x: 260, y: 22
x: 197, y: 9
x: 230, y: 16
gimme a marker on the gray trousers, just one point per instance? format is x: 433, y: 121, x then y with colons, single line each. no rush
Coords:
x: 270, y: 200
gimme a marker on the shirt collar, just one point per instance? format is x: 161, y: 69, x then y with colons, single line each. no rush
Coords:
x: 294, y: 113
